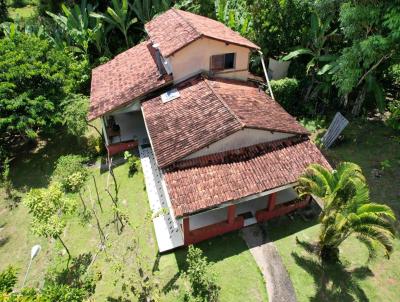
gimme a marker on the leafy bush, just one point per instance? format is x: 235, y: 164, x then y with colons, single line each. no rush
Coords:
x: 286, y: 92
x: 95, y: 146
x: 134, y: 163
x: 8, y: 279
x: 70, y: 172
x: 34, y: 79
x: 394, y: 118
x: 5, y: 181
x: 201, y: 278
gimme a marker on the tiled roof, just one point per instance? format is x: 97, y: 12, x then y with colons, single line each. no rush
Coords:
x: 205, y: 182
x: 184, y: 125
x: 207, y: 111
x: 175, y: 29
x: 254, y: 108
x: 129, y: 75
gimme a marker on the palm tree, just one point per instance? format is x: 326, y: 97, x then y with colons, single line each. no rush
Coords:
x: 348, y: 210
x: 118, y: 16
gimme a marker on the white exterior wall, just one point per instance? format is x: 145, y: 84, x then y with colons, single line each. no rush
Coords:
x: 240, y: 139
x: 195, y: 57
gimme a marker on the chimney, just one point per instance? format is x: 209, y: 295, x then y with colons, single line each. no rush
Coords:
x: 160, y: 66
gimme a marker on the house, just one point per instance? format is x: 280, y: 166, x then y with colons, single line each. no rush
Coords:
x: 217, y: 152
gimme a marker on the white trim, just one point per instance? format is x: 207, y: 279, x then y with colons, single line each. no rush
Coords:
x: 103, y: 126
x: 148, y: 135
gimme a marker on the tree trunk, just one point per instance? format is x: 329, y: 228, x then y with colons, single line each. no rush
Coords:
x: 97, y: 194
x: 329, y: 254
x: 359, y: 101
x: 83, y: 202
x: 69, y: 254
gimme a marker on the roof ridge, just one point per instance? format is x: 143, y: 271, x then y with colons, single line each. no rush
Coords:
x: 224, y: 104
x: 176, y: 11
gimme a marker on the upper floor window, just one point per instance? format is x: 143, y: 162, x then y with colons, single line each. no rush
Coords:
x: 222, y: 62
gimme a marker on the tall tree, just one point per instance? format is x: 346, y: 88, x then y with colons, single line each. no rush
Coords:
x: 372, y: 31
x: 49, y: 208
x: 347, y: 210
x: 34, y: 79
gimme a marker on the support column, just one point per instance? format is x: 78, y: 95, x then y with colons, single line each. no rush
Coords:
x: 271, y: 201
x: 186, y: 229
x: 231, y: 213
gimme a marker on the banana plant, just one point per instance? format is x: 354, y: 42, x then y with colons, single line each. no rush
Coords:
x: 317, y: 48
x: 145, y: 10
x: 321, y: 62
x: 118, y: 16
x: 78, y: 27
x: 234, y: 17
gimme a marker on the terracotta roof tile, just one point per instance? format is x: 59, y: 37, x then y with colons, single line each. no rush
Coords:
x: 175, y: 29
x: 218, y: 178
x: 245, y: 101
x: 183, y: 125
x: 129, y: 75
x: 207, y: 111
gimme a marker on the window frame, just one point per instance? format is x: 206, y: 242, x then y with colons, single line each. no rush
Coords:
x: 224, y: 56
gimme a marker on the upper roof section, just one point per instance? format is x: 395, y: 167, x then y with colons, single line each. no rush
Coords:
x: 129, y: 75
x: 175, y: 29
x: 207, y: 111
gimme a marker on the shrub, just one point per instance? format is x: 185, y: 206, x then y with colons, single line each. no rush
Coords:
x: 8, y: 279
x: 394, y: 117
x: 95, y: 146
x: 70, y: 172
x: 5, y: 181
x: 286, y: 92
x: 133, y: 162
x: 201, y: 278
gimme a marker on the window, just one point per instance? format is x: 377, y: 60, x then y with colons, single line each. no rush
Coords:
x: 170, y: 95
x: 221, y: 62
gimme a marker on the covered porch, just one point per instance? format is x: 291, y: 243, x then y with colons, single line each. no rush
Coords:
x: 251, y: 210
x: 124, y: 131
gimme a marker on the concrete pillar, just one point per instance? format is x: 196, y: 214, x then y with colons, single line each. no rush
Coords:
x: 271, y: 201
x: 231, y: 213
x: 186, y: 228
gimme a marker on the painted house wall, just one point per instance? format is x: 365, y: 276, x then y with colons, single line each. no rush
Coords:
x: 243, y: 138
x: 195, y: 58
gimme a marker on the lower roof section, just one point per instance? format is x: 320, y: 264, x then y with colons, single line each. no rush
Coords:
x: 205, y: 182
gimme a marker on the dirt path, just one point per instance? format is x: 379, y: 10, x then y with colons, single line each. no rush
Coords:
x: 279, y: 285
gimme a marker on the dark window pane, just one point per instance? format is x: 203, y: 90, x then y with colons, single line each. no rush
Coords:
x: 217, y: 62
x: 229, y: 61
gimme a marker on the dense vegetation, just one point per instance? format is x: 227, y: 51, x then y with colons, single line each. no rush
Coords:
x: 344, y: 57
x: 345, y: 60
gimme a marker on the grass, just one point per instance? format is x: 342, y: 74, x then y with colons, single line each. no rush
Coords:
x: 367, y: 144
x: 237, y: 272
x: 22, y: 9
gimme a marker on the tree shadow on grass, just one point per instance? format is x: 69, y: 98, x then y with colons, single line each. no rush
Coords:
x: 333, y: 281
x: 76, y: 275
x: 35, y: 163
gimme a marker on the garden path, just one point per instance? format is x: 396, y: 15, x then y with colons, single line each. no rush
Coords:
x: 277, y: 280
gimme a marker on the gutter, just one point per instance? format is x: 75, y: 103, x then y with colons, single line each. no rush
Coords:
x: 266, y: 74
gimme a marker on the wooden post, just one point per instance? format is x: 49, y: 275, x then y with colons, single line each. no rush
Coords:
x: 231, y: 213
x: 271, y: 201
x: 186, y: 229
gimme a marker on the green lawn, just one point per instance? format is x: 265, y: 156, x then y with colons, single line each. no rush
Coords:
x: 237, y: 272
x: 367, y: 144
